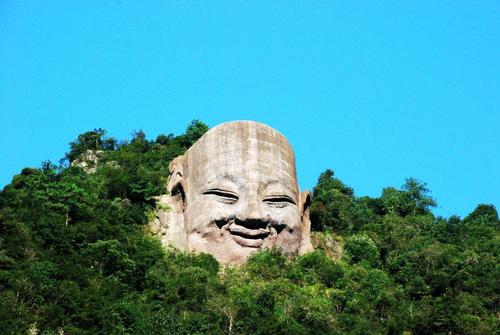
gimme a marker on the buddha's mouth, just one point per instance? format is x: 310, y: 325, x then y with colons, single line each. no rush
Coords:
x: 248, y: 237
x: 250, y: 233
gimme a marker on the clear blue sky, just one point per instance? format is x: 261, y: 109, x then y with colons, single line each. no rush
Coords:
x: 376, y: 90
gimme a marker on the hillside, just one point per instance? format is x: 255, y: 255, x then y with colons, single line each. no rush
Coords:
x: 76, y: 257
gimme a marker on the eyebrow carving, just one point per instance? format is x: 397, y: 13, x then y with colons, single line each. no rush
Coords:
x: 285, y: 187
x: 221, y: 193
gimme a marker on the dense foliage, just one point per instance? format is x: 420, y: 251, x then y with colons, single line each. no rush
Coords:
x: 75, y: 258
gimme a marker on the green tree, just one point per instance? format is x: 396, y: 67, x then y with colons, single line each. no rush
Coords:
x: 332, y: 204
x: 90, y: 140
x: 194, y: 131
x: 359, y: 248
x: 411, y: 199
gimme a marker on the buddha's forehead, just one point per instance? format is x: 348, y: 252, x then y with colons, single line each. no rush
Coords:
x: 243, y: 153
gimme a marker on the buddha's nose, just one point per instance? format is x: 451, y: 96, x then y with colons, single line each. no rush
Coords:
x: 253, y: 211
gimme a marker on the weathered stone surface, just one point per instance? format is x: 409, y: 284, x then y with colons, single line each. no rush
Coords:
x: 233, y: 192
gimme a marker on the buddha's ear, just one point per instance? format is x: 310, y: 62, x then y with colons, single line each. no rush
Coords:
x: 176, y: 184
x: 169, y: 222
x: 305, y: 242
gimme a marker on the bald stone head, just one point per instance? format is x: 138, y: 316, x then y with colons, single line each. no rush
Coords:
x: 235, y: 191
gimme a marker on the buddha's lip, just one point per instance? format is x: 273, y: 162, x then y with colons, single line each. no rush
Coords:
x: 248, y: 237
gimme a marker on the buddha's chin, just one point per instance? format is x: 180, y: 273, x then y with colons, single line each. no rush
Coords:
x: 234, y: 254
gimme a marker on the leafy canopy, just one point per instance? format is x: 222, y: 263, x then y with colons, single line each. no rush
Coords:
x: 75, y: 258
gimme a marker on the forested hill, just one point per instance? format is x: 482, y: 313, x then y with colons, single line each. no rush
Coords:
x: 76, y: 257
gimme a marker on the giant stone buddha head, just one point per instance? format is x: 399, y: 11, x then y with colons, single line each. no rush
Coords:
x: 233, y: 192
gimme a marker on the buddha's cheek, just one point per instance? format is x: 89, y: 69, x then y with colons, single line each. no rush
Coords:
x: 202, y: 215
x: 288, y: 239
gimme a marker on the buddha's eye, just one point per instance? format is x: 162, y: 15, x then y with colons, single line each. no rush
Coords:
x: 222, y: 195
x: 279, y: 200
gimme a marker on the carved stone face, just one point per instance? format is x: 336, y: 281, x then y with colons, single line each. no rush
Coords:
x: 236, y: 191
